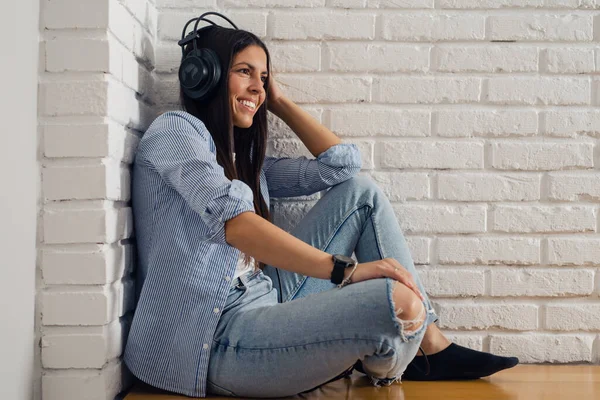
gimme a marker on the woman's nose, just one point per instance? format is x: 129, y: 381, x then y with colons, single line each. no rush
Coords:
x: 256, y: 86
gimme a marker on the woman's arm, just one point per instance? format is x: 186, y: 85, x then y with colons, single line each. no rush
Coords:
x: 272, y: 245
x: 316, y: 137
x: 266, y: 242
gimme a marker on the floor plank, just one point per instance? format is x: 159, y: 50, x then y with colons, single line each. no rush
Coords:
x: 524, y: 382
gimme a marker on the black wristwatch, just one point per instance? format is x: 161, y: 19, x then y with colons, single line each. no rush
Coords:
x: 340, y: 263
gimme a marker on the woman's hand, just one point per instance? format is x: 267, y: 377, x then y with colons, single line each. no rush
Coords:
x: 386, y: 268
x: 274, y: 94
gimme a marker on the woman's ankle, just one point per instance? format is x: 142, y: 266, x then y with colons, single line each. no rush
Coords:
x: 434, y: 341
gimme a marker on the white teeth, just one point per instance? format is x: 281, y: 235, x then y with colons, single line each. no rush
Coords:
x: 248, y: 103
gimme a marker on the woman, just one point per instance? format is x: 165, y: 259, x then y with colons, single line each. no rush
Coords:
x: 230, y: 304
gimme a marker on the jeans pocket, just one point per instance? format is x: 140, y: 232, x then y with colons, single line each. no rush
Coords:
x: 212, y: 388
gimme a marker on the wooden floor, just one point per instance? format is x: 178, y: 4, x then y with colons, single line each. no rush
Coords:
x: 524, y: 382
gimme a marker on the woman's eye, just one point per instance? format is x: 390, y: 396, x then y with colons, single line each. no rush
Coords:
x: 245, y: 70
x: 264, y: 79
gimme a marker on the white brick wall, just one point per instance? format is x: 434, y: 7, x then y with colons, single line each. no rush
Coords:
x: 96, y: 81
x: 478, y: 119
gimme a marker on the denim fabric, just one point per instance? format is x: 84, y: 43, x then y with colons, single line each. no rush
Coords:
x: 282, y: 333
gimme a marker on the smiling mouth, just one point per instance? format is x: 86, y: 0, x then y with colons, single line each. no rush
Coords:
x: 247, y: 107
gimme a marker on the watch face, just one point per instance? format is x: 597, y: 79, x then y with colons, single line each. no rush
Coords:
x: 344, y: 258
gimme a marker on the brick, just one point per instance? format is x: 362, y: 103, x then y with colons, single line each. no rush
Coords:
x: 81, y: 14
x: 528, y: 219
x: 145, y: 13
x: 161, y: 4
x: 98, y: 384
x: 572, y: 123
x: 573, y: 317
x: 94, y: 306
x: 375, y: 57
x: 74, y: 98
x: 255, y: 22
x: 569, y: 61
x: 547, y: 27
x: 539, y: 91
x: 469, y: 341
x: 488, y: 187
x: 287, y: 215
x: 288, y: 148
x: 380, y: 122
x: 104, y: 139
x: 453, y: 282
x: 472, y: 4
x: 432, y: 27
x: 166, y: 90
x: 292, y: 57
x: 76, y: 140
x: 519, y: 317
x: 541, y: 282
x: 126, y: 108
x: 536, y: 156
x: 320, y: 89
x: 489, y: 250
x: 100, y: 180
x: 300, y: 25
x: 402, y: 186
x: 70, y: 223
x: 485, y: 59
x: 273, y: 3
x: 65, y: 54
x: 134, y: 23
x: 430, y: 154
x: 131, y: 72
x: 574, y: 186
x: 86, y: 265
x: 168, y: 57
x: 91, y: 349
x: 426, y: 90
x: 574, y: 251
x: 400, y: 3
x: 537, y: 348
x: 585, y: 4
x: 279, y: 129
x: 494, y: 123
x: 419, y: 249
x: 441, y: 218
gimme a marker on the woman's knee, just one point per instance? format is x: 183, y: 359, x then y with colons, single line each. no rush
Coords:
x: 361, y: 184
x: 408, y: 307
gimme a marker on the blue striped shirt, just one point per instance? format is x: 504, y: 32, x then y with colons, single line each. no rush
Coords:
x: 181, y: 200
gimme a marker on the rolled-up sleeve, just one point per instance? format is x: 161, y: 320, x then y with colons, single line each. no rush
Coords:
x: 291, y: 177
x: 180, y: 154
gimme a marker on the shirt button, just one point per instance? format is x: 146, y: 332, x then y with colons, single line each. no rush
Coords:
x: 205, y: 346
x: 216, y: 310
x: 227, y: 278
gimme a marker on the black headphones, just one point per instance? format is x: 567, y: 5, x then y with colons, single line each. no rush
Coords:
x: 200, y: 70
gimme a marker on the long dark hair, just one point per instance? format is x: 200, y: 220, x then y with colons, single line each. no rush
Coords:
x: 249, y: 144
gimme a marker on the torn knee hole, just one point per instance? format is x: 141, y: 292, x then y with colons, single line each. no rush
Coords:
x: 410, y: 326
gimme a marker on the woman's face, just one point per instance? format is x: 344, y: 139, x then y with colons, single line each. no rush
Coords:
x: 247, y: 77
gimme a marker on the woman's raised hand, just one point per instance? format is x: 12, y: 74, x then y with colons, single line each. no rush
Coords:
x: 386, y: 268
x: 274, y: 93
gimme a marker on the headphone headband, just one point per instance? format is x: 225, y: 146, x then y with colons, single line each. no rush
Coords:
x: 194, y: 34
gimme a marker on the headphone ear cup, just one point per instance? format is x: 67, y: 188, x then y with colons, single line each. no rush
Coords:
x: 200, y: 73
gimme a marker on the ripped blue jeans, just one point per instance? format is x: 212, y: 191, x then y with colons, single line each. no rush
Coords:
x: 283, y: 333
